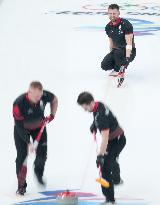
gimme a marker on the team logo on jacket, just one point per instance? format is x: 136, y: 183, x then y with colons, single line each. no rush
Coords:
x: 96, y: 122
x: 120, y: 30
x: 107, y: 110
x: 30, y: 111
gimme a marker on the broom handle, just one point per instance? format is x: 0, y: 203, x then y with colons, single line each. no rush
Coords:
x: 100, y: 171
x: 38, y: 137
x: 95, y: 139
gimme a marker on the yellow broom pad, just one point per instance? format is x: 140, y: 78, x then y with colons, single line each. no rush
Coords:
x: 102, y: 182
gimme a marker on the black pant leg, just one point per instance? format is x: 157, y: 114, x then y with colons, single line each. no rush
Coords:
x: 114, y: 149
x: 21, y: 147
x: 108, y: 62
x: 121, y: 144
x: 116, y: 172
x: 119, y: 56
x: 107, y: 175
x: 41, y: 153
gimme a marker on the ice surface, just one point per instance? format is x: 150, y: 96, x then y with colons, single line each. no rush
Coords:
x: 37, y: 44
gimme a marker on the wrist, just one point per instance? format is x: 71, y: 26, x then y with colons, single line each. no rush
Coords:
x: 101, y: 154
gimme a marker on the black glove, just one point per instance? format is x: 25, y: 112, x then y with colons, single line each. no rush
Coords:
x: 125, y: 62
x: 93, y: 128
x: 100, y: 161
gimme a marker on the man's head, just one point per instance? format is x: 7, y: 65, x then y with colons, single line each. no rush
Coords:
x: 113, y: 12
x: 86, y: 100
x: 35, y: 91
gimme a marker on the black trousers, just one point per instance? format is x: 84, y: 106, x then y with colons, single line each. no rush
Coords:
x: 114, y: 59
x: 111, y: 169
x: 22, y: 151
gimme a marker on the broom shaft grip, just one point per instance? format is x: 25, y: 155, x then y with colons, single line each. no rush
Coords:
x: 40, y: 132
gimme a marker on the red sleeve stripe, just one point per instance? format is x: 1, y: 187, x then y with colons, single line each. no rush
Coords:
x: 16, y: 113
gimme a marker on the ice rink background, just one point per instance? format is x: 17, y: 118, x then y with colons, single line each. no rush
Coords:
x: 39, y: 41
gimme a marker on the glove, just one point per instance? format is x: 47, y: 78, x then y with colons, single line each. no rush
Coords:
x: 49, y: 118
x: 100, y: 161
x: 125, y: 62
x: 93, y: 128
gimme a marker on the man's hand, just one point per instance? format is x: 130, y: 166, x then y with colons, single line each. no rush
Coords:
x: 49, y: 118
x: 93, y: 128
x: 100, y: 161
x: 125, y: 62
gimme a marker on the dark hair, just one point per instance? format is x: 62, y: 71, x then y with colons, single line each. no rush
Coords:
x: 85, y: 98
x: 113, y: 6
x: 36, y: 84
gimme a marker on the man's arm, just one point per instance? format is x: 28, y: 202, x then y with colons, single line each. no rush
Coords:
x: 129, y: 40
x: 110, y: 44
x: 22, y: 132
x: 104, y: 143
x: 54, y: 105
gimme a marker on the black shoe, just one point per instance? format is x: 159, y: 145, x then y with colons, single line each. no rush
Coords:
x: 22, y: 190
x: 40, y: 180
x: 111, y: 202
x: 108, y: 202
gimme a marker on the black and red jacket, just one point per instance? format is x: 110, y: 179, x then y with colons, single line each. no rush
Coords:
x: 118, y: 31
x: 29, y: 116
x: 104, y: 119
